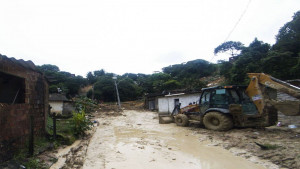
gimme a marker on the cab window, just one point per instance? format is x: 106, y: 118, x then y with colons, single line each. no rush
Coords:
x: 219, y: 97
x: 205, y: 97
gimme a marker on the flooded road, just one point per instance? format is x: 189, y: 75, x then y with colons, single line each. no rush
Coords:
x: 136, y: 140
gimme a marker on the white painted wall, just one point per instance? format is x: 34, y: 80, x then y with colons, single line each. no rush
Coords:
x: 57, y: 107
x: 166, y: 104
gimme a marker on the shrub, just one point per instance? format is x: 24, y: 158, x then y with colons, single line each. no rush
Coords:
x: 81, y: 123
x: 85, y: 104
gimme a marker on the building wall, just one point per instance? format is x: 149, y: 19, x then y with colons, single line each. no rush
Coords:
x: 14, y: 118
x: 68, y: 108
x: 166, y: 104
x: 56, y: 107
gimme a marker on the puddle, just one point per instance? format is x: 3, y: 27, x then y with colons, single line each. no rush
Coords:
x: 138, y: 141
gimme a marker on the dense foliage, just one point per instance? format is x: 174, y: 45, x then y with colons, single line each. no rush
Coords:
x: 185, y: 76
x: 81, y: 123
x: 62, y: 82
x: 282, y: 60
x: 104, y: 87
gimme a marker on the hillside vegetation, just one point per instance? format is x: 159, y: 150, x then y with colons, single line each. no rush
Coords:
x: 281, y: 60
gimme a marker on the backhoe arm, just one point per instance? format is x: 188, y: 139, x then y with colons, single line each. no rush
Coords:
x: 255, y: 92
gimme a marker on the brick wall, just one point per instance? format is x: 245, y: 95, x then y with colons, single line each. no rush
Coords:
x: 14, y: 119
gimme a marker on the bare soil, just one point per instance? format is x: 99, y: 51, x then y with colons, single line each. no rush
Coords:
x: 279, y: 145
x: 134, y: 139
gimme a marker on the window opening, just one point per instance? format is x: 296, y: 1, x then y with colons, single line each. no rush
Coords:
x: 205, y: 97
x: 219, y: 97
x: 12, y: 89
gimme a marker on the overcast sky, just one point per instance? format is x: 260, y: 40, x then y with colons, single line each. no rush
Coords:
x: 134, y: 36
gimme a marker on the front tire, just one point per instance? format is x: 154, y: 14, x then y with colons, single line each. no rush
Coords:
x: 181, y: 120
x: 217, y: 121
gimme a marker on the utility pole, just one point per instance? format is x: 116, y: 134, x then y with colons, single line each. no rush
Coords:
x: 119, y: 102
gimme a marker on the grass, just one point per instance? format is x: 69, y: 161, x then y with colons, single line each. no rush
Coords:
x: 65, y: 135
x: 64, y: 130
x: 271, y: 146
x: 22, y: 158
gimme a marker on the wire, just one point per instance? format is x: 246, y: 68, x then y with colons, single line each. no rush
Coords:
x: 236, y: 24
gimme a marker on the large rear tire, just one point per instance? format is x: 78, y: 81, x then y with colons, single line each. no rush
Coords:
x: 181, y: 120
x: 217, y: 121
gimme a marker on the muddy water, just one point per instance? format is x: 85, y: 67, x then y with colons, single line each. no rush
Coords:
x: 61, y: 153
x: 136, y: 140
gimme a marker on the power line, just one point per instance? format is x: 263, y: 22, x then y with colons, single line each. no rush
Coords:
x: 236, y: 24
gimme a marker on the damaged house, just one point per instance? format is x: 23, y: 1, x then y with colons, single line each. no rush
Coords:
x: 23, y: 95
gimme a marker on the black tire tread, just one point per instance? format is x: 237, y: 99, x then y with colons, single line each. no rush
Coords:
x: 226, y: 122
x: 184, y: 120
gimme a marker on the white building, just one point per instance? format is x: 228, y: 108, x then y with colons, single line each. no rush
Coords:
x: 60, y: 104
x: 166, y: 104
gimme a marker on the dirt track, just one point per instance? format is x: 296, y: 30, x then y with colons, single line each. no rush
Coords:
x: 136, y: 140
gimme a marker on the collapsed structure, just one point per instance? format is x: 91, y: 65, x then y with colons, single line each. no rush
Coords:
x: 23, y: 95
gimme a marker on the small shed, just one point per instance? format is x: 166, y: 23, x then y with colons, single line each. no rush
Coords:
x: 56, y: 101
x: 167, y: 103
x: 151, y: 101
x: 23, y: 96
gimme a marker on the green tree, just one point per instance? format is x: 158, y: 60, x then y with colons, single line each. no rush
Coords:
x: 99, y: 73
x: 104, y: 89
x: 91, y: 78
x: 249, y: 61
x: 230, y: 46
x: 284, y: 58
x: 128, y: 90
x: 48, y: 67
x: 288, y: 37
x: 188, y: 74
x: 171, y: 85
x: 193, y: 84
x: 68, y: 83
x: 158, y: 80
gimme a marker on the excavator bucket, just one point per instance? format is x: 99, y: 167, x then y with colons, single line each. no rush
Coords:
x: 165, y: 118
x: 288, y: 108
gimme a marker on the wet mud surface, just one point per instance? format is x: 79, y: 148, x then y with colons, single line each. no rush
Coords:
x: 279, y: 145
x: 136, y: 140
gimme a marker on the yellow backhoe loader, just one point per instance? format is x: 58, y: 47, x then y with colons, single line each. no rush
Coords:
x: 223, y: 107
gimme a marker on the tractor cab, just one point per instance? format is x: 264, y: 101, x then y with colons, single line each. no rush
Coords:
x: 220, y: 98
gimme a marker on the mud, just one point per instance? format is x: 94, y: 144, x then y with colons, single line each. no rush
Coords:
x: 136, y: 140
x: 283, y: 143
x: 61, y: 155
